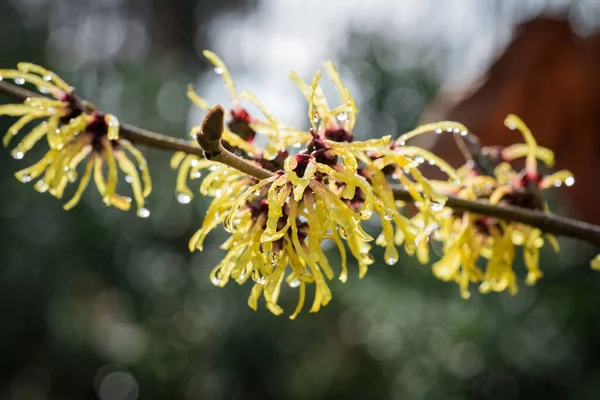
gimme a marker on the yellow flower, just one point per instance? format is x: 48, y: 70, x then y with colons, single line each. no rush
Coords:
x: 467, y: 237
x: 74, y: 134
x: 278, y: 224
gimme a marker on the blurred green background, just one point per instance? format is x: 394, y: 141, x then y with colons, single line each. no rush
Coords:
x: 97, y: 303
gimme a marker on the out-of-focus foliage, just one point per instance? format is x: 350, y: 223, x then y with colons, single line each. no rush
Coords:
x: 100, y: 304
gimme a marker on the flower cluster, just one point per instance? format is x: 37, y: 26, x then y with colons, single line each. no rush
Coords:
x: 468, y: 237
x: 333, y: 183
x: 75, y: 133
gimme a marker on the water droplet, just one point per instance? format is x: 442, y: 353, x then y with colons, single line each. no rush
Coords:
x: 1, y: 77
x: 183, y: 198
x: 66, y: 169
x: 218, y: 192
x: 391, y: 260
x: 438, y: 131
x: 218, y: 70
x: 216, y: 281
x: 19, y: 81
x: 436, y: 207
x: 261, y: 280
x: 456, y: 130
x: 342, y: 117
x: 557, y: 183
x: 128, y: 199
x: 25, y: 178
x: 194, y: 163
x: 47, y: 78
x: 401, y: 142
x: 196, y: 175
x: 295, y: 283
x: 388, y: 216
x: 431, y: 162
x: 17, y: 155
x: 143, y: 212
x: 419, y: 159
x: 128, y: 178
x: 366, y: 213
x: 213, y: 168
x: 569, y: 181
x: 43, y: 90
x: 449, y: 130
x: 273, y: 258
x: 464, y: 133
x: 297, y: 145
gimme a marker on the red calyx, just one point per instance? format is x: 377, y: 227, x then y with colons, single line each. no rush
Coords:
x: 339, y: 135
x: 240, y: 124
x: 302, y: 161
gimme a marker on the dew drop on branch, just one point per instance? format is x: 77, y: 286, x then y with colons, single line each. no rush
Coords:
x: 183, y: 198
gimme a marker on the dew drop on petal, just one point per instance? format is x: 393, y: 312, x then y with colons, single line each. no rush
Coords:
x: 215, y: 281
x: 295, y: 283
x: 557, y: 183
x: 43, y: 90
x: 438, y: 131
x: 196, y: 175
x: 25, y: 178
x: 391, y: 260
x: 436, y: 207
x: 342, y: 117
x: 569, y: 181
x: 343, y: 233
x: 18, y: 155
x: 47, y: 78
x: 183, y: 198
x: 128, y: 178
x: 464, y: 133
x: 19, y: 81
x: 143, y: 212
x: 273, y: 258
x: 218, y: 70
x: 194, y: 163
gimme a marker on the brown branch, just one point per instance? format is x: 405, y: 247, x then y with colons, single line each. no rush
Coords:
x: 209, y: 139
x: 546, y: 222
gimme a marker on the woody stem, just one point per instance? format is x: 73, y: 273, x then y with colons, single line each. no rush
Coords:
x: 209, y: 139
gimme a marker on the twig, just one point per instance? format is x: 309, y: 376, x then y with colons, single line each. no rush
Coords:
x: 546, y: 222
